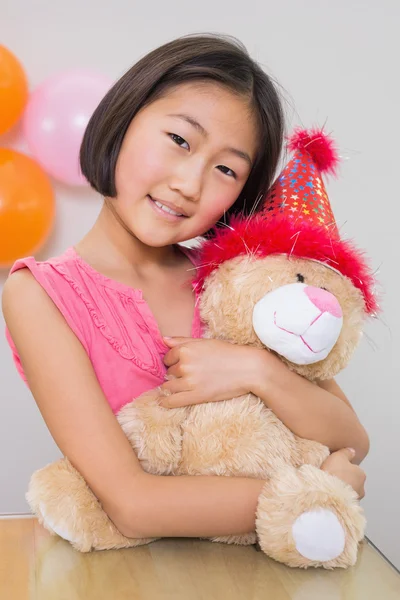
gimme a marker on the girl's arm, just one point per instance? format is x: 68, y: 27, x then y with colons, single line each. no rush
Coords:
x: 316, y: 412
x: 209, y: 370
x: 69, y: 397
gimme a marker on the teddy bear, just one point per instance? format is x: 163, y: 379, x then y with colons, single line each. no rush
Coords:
x: 284, y: 281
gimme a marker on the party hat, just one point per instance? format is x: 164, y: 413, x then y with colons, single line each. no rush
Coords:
x: 299, y: 192
x: 295, y: 219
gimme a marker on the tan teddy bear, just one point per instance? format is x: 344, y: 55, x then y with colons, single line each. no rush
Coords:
x: 286, y: 282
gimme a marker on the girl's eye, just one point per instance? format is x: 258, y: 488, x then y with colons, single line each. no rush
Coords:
x: 179, y: 141
x: 227, y: 171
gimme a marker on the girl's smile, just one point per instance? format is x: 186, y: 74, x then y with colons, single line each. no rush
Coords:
x: 167, y: 210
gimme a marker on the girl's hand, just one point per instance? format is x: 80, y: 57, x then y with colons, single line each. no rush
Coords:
x: 203, y: 370
x: 339, y: 464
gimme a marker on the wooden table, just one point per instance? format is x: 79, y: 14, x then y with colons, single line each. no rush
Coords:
x: 37, y: 566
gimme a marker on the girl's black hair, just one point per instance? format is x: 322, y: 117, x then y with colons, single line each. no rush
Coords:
x: 210, y: 57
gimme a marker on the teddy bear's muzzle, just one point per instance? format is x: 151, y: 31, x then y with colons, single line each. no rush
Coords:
x: 300, y: 322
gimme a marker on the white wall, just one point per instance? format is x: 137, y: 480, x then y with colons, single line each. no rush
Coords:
x: 338, y: 62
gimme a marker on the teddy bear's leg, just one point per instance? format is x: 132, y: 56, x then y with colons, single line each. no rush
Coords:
x: 155, y: 433
x: 64, y: 504
x: 309, y: 518
x: 302, y: 452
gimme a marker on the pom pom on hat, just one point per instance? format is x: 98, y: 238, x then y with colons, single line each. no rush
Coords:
x: 319, y: 145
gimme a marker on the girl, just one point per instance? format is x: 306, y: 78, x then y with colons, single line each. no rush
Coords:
x: 190, y: 133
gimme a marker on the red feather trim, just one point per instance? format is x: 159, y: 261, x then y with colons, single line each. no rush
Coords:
x: 283, y: 236
x: 319, y: 145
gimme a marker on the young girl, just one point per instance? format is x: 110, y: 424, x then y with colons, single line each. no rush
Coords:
x: 189, y: 134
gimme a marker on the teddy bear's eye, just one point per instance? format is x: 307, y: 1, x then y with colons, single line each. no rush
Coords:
x: 300, y: 277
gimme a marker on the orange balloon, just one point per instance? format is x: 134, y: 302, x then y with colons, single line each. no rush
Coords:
x: 13, y: 89
x: 27, y: 206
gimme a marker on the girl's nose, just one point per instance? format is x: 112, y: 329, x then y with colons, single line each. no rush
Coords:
x: 324, y: 300
x: 188, y: 180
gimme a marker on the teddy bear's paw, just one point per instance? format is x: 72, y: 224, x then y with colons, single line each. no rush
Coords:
x: 318, y: 535
x: 248, y: 539
x: 65, y: 505
x: 155, y: 433
x: 308, y: 518
x: 308, y: 452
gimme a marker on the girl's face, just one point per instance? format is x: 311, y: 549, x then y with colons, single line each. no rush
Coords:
x: 183, y: 162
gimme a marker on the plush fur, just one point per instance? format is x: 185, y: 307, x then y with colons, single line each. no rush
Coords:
x: 237, y: 437
x: 295, y: 240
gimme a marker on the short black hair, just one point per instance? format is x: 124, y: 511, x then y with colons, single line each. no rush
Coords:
x: 196, y: 57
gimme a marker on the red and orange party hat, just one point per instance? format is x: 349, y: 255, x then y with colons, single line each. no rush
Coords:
x: 295, y: 219
x: 299, y: 193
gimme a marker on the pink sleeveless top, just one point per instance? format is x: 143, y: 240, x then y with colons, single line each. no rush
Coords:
x: 112, y: 321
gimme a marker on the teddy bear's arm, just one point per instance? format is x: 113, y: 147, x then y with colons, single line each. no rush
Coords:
x: 308, y: 452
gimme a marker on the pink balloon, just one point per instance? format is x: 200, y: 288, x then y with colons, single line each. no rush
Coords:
x: 56, y: 117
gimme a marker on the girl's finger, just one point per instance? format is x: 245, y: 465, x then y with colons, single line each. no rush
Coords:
x: 173, y: 372
x: 172, y: 357
x: 175, y: 341
x: 174, y: 386
x: 178, y: 400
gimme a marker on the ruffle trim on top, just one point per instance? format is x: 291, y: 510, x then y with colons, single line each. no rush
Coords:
x: 131, y: 295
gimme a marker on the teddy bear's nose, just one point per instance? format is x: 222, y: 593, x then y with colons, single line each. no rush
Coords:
x: 323, y: 300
